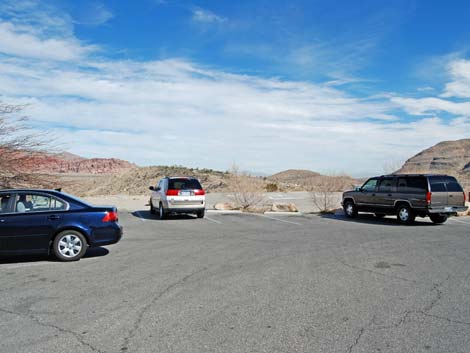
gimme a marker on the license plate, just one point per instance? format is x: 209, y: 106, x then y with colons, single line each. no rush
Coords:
x: 448, y: 209
x: 185, y: 193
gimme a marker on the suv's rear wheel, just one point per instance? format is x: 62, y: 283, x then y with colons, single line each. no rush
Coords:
x: 437, y: 218
x: 405, y: 214
x: 161, y: 212
x: 69, y: 245
x: 350, y: 209
x: 200, y: 214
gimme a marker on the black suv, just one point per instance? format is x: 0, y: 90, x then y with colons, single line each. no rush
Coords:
x: 407, y: 196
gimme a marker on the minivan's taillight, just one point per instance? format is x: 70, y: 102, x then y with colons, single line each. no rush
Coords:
x: 172, y: 192
x: 428, y: 197
x: 110, y: 216
x: 199, y: 192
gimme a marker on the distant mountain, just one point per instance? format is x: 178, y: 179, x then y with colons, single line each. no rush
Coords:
x: 301, y: 180
x: 68, y: 163
x: 449, y: 157
x: 293, y: 176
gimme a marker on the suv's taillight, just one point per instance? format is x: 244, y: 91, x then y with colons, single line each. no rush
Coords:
x: 172, y: 192
x: 428, y: 197
x: 199, y: 192
x: 110, y: 216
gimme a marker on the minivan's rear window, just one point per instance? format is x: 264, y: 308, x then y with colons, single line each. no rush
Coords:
x: 182, y: 184
x: 444, y: 183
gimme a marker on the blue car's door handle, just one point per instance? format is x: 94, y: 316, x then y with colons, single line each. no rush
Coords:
x: 53, y: 218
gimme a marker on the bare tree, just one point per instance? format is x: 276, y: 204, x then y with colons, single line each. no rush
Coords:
x: 19, y: 148
x: 324, y: 191
x: 392, y: 167
x: 246, y: 190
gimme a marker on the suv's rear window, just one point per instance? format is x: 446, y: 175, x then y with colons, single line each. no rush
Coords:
x: 444, y: 183
x: 182, y: 184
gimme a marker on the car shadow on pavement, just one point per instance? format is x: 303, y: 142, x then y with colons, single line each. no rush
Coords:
x: 145, y: 214
x: 371, y: 219
x: 17, y: 259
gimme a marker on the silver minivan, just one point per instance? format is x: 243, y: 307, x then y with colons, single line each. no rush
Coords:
x: 178, y: 195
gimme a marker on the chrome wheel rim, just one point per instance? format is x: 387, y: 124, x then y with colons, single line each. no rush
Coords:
x: 404, y: 214
x: 70, y: 245
x: 349, y: 209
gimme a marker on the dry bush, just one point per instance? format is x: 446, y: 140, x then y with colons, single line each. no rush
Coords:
x: 324, y: 191
x: 245, y: 190
x: 392, y: 167
x: 19, y: 148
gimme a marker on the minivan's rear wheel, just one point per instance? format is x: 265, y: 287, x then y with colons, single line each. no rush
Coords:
x: 161, y: 212
x: 438, y: 219
x: 69, y: 245
x: 405, y: 214
x: 200, y: 214
x: 350, y: 209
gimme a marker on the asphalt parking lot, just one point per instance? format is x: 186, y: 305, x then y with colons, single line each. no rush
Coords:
x: 247, y: 283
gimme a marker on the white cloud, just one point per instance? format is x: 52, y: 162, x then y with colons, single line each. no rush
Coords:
x: 179, y: 112
x: 23, y: 41
x: 207, y: 16
x: 451, y: 101
x: 460, y: 84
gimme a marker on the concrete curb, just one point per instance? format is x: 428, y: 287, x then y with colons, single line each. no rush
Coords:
x: 283, y: 213
x: 225, y: 211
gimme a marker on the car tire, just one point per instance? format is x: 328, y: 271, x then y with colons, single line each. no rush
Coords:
x: 161, y: 212
x: 200, y: 214
x: 379, y: 215
x: 350, y: 209
x: 152, y: 209
x: 438, y: 219
x: 405, y: 214
x: 69, y: 245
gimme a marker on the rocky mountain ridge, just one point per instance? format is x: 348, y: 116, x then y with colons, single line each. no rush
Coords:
x: 67, y: 163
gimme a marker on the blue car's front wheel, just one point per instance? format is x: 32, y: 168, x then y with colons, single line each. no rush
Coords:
x: 69, y: 245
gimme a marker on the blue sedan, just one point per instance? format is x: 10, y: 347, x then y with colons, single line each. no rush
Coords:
x: 45, y: 221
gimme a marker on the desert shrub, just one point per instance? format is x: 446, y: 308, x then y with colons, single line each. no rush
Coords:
x: 271, y: 187
x: 246, y: 190
x: 324, y: 191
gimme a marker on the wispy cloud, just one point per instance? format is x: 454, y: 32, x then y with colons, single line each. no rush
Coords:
x: 206, y: 16
x: 93, y: 14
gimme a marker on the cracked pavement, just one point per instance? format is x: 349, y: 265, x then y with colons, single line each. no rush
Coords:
x: 247, y: 283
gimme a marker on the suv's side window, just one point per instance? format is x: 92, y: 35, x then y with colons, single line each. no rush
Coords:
x: 412, y: 185
x: 387, y: 185
x: 370, y: 185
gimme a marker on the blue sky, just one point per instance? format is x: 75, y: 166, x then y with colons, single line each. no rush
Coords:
x: 331, y: 86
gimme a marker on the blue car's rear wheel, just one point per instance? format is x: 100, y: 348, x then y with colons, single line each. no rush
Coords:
x: 69, y: 245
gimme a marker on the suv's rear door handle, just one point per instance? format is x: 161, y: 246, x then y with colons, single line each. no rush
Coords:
x: 451, y: 195
x: 373, y: 194
x: 389, y: 195
x: 53, y: 218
